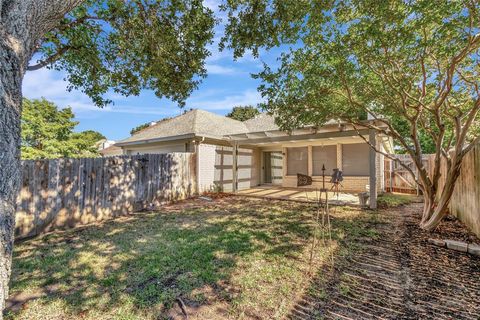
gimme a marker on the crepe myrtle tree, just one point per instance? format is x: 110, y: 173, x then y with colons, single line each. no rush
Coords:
x: 413, y: 65
x: 101, y: 45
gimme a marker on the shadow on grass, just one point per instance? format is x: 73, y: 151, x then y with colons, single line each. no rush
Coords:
x: 140, y: 265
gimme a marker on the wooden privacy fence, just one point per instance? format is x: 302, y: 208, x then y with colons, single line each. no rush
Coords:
x: 62, y: 193
x: 465, y: 201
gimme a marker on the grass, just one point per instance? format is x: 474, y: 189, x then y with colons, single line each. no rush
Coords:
x: 391, y: 200
x: 232, y: 258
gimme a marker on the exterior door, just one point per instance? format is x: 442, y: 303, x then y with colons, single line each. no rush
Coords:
x: 273, y: 167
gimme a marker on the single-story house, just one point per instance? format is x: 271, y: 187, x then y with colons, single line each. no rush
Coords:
x: 266, y: 155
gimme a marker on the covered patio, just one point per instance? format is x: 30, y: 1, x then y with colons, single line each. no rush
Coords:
x: 279, y: 156
x: 299, y: 194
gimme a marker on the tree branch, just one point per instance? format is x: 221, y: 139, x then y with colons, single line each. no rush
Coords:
x: 473, y: 43
x: 54, y: 57
x: 79, y: 21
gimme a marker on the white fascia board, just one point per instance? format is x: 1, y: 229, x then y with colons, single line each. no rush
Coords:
x: 153, y: 140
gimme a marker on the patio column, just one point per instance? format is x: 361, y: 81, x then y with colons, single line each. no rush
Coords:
x: 235, y: 167
x: 309, y: 161
x: 373, y: 169
x: 339, y: 157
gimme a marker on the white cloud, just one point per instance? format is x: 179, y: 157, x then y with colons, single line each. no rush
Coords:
x: 43, y: 83
x: 221, y: 70
x: 50, y: 84
x: 247, y: 97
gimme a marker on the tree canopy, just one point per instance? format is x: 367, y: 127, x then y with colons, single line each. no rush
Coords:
x: 349, y: 57
x: 47, y: 132
x: 412, y: 65
x: 128, y: 46
x: 243, y: 113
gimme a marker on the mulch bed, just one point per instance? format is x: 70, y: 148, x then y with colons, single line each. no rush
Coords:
x: 399, y: 276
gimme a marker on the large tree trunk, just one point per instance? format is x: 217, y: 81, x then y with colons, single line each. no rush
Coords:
x: 428, y: 205
x: 23, y: 23
x: 10, y: 111
x: 16, y: 47
x: 436, y: 210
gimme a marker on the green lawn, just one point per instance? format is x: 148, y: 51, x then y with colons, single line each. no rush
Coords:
x: 232, y: 258
x: 389, y: 200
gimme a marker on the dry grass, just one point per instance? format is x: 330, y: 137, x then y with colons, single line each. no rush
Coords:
x: 231, y: 258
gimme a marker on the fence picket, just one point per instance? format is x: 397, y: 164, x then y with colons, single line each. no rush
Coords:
x: 63, y: 193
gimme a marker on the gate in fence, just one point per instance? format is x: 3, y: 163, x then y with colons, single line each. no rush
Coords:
x: 398, y: 179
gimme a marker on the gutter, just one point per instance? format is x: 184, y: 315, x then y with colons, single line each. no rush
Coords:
x: 153, y: 140
x: 170, y: 138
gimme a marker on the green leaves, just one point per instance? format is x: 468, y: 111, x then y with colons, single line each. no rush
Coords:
x: 243, y: 113
x: 47, y: 132
x: 128, y: 46
x: 261, y: 23
x: 139, y: 128
x: 413, y: 63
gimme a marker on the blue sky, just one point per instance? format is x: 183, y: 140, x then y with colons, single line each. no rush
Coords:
x: 228, y: 84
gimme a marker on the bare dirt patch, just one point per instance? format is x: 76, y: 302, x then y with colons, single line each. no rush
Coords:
x: 398, y: 275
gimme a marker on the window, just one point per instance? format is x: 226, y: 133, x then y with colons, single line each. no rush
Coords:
x: 356, y: 159
x: 297, y: 161
x: 324, y: 155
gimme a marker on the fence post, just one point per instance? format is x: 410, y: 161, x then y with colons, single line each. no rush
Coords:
x: 391, y: 176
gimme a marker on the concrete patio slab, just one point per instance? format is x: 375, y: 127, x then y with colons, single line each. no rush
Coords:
x: 298, y: 194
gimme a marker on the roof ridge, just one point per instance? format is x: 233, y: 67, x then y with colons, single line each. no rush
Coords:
x: 196, y: 121
x: 157, y: 122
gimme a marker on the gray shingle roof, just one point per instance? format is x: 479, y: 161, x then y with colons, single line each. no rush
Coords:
x: 209, y: 123
x: 111, y: 151
x: 195, y: 122
x: 261, y: 122
x: 204, y: 124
